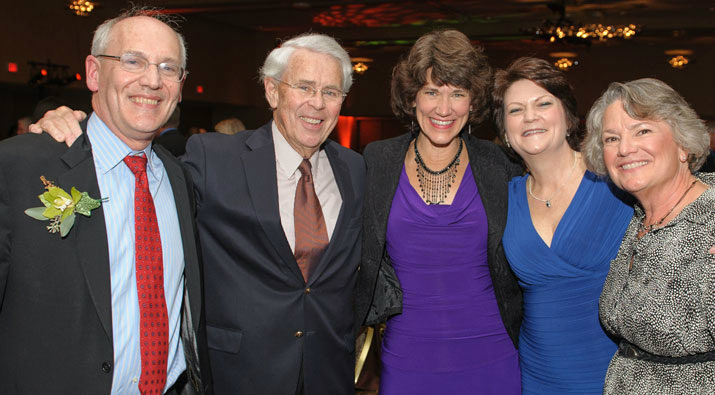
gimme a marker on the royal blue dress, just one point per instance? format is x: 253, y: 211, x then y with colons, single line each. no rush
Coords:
x: 562, y: 346
x: 450, y: 338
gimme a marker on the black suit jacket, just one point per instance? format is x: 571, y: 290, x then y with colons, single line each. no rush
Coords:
x: 378, y: 292
x: 55, y: 295
x: 264, y: 322
x: 173, y: 140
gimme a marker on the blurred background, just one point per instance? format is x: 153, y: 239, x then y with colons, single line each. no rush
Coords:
x: 44, y: 45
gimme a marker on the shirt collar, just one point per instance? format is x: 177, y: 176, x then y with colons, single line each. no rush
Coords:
x: 109, y: 151
x: 287, y: 159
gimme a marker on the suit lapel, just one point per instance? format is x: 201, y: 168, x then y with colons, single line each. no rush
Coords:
x: 259, y: 166
x: 184, y: 209
x: 90, y: 234
x: 341, y: 172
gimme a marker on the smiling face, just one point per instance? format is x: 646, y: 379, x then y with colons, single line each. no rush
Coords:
x: 305, y: 122
x: 441, y: 111
x: 534, y: 119
x: 640, y: 155
x: 135, y: 105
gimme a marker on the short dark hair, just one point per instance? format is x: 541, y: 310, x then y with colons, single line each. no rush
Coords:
x: 453, y: 60
x: 545, y: 75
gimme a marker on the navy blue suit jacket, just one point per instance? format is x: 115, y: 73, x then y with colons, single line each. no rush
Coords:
x: 264, y: 323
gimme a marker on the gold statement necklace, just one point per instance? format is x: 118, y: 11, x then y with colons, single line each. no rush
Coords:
x: 435, y: 184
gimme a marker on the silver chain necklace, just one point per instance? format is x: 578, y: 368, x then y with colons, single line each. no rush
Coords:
x: 548, y: 201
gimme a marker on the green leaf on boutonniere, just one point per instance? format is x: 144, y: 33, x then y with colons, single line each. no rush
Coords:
x: 36, y: 213
x: 66, y: 225
x: 85, y: 204
x: 60, y: 207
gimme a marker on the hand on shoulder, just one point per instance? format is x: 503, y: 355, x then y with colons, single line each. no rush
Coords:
x: 62, y: 124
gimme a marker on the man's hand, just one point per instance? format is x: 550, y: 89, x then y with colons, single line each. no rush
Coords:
x: 62, y: 124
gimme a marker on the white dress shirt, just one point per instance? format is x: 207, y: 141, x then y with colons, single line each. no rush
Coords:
x: 116, y: 182
x: 287, y: 176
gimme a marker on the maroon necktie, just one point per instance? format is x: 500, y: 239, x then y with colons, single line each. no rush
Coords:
x: 153, y: 321
x: 311, y: 235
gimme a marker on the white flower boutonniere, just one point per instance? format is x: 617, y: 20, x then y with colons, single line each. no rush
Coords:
x: 60, y: 207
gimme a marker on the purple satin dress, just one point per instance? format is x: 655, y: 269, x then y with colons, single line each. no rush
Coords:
x: 450, y: 338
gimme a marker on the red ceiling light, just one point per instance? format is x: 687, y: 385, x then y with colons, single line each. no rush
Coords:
x: 43, y: 72
x: 12, y: 67
x: 199, y: 89
x: 78, y: 77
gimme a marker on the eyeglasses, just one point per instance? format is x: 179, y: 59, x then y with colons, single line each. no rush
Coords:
x: 331, y: 95
x: 138, y: 64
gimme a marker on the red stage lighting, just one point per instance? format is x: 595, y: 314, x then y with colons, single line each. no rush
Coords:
x: 12, y: 67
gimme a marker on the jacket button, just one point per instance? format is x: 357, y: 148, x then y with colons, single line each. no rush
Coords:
x: 298, y: 334
x: 307, y: 291
x: 106, y: 367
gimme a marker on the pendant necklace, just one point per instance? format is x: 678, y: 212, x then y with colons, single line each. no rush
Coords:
x: 530, y: 181
x: 435, y: 184
x: 647, y: 228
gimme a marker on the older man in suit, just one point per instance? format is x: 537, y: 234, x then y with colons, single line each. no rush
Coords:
x: 109, y: 302
x: 279, y: 213
x: 279, y: 218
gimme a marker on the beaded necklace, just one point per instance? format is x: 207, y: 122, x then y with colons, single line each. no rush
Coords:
x: 435, y: 184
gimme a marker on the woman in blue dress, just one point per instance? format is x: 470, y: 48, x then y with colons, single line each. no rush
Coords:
x: 564, y: 226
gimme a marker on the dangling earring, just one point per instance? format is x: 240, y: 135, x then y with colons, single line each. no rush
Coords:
x: 412, y: 126
x: 470, y: 129
x: 506, y: 141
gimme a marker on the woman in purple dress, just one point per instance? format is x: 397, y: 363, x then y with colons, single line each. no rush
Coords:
x: 435, y: 210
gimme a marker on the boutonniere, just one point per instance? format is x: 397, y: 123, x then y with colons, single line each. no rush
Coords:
x: 60, y: 207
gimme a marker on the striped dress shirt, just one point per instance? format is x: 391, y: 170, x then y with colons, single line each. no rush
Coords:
x: 116, y: 182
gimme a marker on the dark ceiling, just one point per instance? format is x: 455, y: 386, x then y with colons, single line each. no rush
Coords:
x: 499, y: 20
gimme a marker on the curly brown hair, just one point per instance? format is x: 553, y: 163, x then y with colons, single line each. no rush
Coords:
x: 452, y: 60
x: 547, y: 76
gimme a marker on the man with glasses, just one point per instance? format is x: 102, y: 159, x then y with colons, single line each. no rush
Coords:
x: 279, y: 221
x: 100, y: 286
x: 278, y: 213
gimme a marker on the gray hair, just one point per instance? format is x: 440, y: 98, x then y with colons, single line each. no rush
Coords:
x: 648, y: 99
x: 277, y: 60
x: 101, y: 35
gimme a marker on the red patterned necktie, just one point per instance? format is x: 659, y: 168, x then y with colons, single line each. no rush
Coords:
x: 153, y: 321
x: 311, y: 235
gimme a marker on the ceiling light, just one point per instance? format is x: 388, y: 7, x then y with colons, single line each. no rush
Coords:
x: 564, y: 30
x: 679, y: 58
x: 81, y: 7
x: 360, y: 64
x: 678, y: 62
x: 564, y: 61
